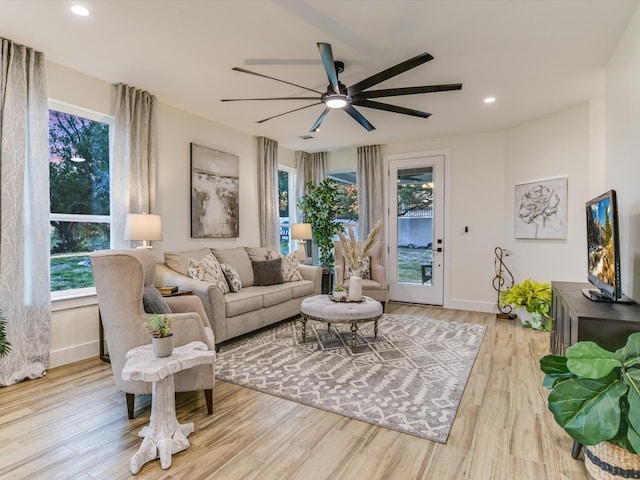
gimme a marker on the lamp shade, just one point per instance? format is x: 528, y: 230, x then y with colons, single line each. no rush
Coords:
x: 142, y: 226
x: 301, y: 231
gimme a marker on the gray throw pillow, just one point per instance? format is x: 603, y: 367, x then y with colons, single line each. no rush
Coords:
x: 267, y: 272
x: 152, y: 301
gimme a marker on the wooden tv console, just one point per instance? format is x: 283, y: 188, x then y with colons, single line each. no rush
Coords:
x: 576, y: 318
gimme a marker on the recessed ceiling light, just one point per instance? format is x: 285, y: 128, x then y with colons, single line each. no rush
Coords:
x: 489, y: 99
x: 80, y: 10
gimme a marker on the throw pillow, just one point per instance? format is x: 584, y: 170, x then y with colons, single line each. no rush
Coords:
x: 232, y: 276
x: 267, y: 272
x: 364, y: 266
x: 208, y: 270
x: 290, y: 269
x: 152, y: 301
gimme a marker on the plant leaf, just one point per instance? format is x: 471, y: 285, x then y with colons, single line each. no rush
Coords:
x: 553, y: 364
x: 632, y: 378
x: 588, y: 409
x: 589, y: 360
x: 629, y: 355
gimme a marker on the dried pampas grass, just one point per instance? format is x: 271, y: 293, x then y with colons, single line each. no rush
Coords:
x: 352, y: 254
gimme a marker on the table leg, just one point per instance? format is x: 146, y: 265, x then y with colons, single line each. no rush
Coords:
x: 164, y: 436
x: 375, y: 329
x: 328, y: 327
x: 354, y: 330
x: 304, y: 329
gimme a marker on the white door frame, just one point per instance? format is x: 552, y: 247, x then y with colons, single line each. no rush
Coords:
x: 446, y: 153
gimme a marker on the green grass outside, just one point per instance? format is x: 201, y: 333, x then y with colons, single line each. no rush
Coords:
x: 409, y: 264
x: 70, y: 270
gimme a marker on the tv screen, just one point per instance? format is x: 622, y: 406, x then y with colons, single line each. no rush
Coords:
x: 603, y: 248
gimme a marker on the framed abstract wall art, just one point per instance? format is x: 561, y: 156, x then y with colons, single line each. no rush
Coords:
x: 214, y: 193
x: 541, y: 209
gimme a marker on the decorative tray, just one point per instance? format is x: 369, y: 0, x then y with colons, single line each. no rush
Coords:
x: 345, y: 299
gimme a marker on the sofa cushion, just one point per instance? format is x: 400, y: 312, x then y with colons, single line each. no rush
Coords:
x: 152, y: 301
x: 247, y: 300
x: 301, y: 289
x: 179, y: 261
x: 208, y: 270
x: 267, y: 272
x: 233, y: 279
x: 275, y: 294
x: 262, y: 253
x: 238, y: 258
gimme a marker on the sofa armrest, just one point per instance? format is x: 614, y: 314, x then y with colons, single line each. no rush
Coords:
x: 310, y: 272
x: 211, y: 297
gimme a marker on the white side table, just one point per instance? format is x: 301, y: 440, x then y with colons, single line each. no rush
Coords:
x: 164, y: 436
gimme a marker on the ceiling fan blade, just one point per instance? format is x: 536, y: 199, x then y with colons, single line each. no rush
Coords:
x: 316, y: 125
x: 388, y: 73
x: 329, y: 65
x: 270, y: 98
x: 237, y: 69
x: 395, y: 92
x: 290, y: 111
x: 391, y: 108
x: 357, y: 116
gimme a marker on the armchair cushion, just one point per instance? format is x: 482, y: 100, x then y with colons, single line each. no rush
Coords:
x: 152, y: 301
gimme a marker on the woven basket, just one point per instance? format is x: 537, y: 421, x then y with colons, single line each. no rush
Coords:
x: 608, y: 461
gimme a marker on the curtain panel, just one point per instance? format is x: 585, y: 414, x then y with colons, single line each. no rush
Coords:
x: 135, y: 159
x: 268, y: 192
x: 25, y: 298
x: 370, y: 184
x: 310, y: 167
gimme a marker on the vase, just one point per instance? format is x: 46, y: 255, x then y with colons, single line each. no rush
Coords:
x: 608, y: 461
x: 162, y: 346
x: 355, y: 288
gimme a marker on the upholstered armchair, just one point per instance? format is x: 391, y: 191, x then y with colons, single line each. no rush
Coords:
x: 121, y: 277
x: 374, y: 287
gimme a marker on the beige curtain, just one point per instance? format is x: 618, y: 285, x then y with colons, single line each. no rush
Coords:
x: 370, y: 179
x: 310, y: 167
x: 268, y: 191
x: 24, y: 212
x: 135, y: 158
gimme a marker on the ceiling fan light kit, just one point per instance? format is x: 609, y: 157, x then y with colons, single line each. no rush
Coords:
x: 338, y: 96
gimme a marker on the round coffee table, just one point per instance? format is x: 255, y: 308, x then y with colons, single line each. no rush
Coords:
x: 324, y: 309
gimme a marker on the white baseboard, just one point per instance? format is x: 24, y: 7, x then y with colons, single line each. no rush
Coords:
x: 488, y: 307
x: 73, y: 354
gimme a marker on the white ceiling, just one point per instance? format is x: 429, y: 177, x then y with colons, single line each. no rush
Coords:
x: 534, y: 56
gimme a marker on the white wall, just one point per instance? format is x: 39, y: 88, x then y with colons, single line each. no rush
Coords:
x: 622, y: 172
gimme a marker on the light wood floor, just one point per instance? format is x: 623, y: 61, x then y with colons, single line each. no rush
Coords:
x: 72, y: 424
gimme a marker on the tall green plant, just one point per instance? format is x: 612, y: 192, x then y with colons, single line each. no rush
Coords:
x: 321, y: 206
x: 595, y: 393
x: 5, y: 346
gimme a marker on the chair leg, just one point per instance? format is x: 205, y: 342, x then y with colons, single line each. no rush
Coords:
x: 130, y: 403
x: 383, y: 306
x: 208, y: 395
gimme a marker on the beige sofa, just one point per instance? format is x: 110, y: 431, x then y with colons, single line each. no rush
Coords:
x: 236, y: 313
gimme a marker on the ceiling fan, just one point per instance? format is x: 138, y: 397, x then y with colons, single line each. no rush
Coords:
x: 338, y: 96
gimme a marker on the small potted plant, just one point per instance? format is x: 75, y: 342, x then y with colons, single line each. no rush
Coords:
x: 533, y: 299
x: 159, y: 326
x: 595, y: 398
x: 338, y: 292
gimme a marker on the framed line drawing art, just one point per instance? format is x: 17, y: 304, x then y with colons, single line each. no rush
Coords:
x: 215, y: 191
x: 541, y: 209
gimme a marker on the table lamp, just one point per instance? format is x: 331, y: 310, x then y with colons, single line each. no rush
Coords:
x: 301, y: 232
x: 143, y: 226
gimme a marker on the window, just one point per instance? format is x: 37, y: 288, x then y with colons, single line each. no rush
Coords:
x: 287, y: 205
x: 79, y: 193
x: 348, y: 194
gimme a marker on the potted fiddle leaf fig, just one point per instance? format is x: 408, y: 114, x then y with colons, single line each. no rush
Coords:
x: 533, y: 299
x: 321, y: 206
x: 159, y: 326
x: 595, y: 398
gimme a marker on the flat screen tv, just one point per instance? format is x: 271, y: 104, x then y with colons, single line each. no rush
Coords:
x: 603, y: 249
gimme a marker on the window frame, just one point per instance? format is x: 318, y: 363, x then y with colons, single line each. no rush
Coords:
x: 77, y: 111
x: 293, y: 201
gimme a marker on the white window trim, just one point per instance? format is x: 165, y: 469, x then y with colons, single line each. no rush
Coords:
x: 63, y: 299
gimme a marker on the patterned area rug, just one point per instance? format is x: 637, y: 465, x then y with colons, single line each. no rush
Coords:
x: 409, y: 378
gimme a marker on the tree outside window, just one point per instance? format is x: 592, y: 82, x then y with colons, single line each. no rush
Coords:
x: 79, y: 196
